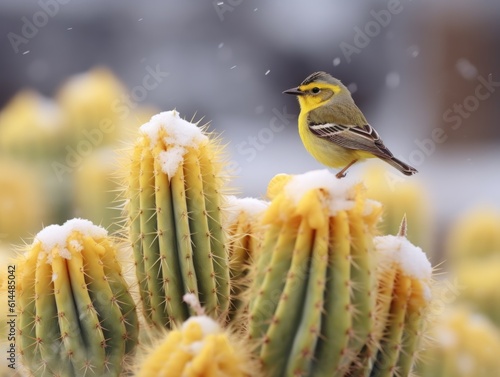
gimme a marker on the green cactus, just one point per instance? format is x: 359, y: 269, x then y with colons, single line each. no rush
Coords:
x: 77, y: 316
x: 174, y: 200
x: 32, y: 128
x: 325, y: 301
x: 245, y: 233
x: 464, y: 344
x: 312, y: 304
x: 404, y: 296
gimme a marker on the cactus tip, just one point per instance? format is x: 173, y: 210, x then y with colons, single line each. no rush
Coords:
x: 403, y: 228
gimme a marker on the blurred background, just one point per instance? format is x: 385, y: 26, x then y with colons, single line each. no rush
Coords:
x: 77, y: 78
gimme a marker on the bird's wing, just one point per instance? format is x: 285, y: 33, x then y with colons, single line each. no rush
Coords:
x: 363, y: 138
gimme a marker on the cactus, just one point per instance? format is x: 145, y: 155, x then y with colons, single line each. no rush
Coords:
x: 475, y: 236
x: 473, y: 249
x: 91, y: 104
x: 403, y: 299
x: 405, y: 197
x: 244, y: 239
x: 77, y: 316
x: 312, y: 306
x: 93, y: 201
x: 174, y: 199
x: 482, y: 282
x: 22, y: 204
x: 7, y: 310
x: 326, y: 302
x: 199, y: 347
x: 464, y: 344
x: 32, y: 128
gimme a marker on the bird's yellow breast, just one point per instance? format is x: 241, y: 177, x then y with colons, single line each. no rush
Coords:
x: 323, y: 150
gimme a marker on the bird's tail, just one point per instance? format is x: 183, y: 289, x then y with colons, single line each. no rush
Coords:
x: 401, y: 166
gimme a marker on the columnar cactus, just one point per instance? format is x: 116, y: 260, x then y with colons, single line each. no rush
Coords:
x: 91, y: 106
x: 404, y: 295
x: 482, y: 282
x: 22, y: 203
x: 32, y: 128
x: 93, y: 201
x: 243, y: 224
x: 464, y: 344
x: 77, y: 316
x: 312, y: 307
x: 475, y: 236
x: 199, y: 347
x: 174, y: 200
x: 473, y: 250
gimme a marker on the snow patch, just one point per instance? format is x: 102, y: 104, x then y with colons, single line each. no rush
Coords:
x: 56, y: 237
x: 251, y: 206
x: 177, y: 134
x: 411, y: 259
x: 341, y: 190
x: 208, y: 325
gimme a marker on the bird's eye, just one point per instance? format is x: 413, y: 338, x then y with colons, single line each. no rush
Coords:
x: 315, y: 90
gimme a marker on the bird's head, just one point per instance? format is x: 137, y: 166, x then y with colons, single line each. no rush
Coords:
x: 318, y: 89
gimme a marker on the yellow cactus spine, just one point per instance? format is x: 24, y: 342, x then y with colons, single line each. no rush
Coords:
x: 198, y: 348
x: 77, y: 316
x: 312, y: 306
x: 174, y: 209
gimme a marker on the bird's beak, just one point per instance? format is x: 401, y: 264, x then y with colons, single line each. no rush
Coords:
x: 295, y: 91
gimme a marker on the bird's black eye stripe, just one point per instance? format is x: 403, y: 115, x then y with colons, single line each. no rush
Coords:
x: 315, y: 90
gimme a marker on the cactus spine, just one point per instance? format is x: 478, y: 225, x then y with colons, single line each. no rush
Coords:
x: 174, y: 202
x: 313, y: 306
x: 77, y: 316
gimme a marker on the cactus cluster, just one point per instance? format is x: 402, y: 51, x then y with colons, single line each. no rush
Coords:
x: 77, y: 316
x: 298, y: 286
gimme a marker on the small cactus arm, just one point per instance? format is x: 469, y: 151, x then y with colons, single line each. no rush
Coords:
x: 174, y: 209
x: 243, y: 224
x: 404, y: 297
x: 77, y: 316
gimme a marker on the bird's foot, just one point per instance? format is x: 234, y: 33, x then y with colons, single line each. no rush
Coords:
x: 340, y: 175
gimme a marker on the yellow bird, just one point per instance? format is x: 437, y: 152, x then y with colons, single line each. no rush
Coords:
x: 334, y: 130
